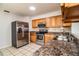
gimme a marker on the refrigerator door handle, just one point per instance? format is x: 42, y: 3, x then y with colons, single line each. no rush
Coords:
x: 22, y: 31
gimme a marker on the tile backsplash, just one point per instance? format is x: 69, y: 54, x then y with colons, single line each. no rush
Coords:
x: 54, y: 29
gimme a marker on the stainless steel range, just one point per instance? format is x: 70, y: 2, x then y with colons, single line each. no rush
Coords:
x: 40, y: 33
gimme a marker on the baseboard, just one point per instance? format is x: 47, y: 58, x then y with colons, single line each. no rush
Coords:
x: 4, y: 46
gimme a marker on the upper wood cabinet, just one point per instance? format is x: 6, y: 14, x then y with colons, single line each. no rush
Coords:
x: 48, y: 22
x: 34, y: 23
x: 37, y: 21
x: 41, y: 21
x: 71, y: 4
x: 70, y: 10
x: 56, y: 21
x: 66, y: 24
x: 51, y: 22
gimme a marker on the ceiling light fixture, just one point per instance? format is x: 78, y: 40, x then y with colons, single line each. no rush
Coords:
x: 32, y: 8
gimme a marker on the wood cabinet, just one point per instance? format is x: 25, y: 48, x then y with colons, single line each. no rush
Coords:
x: 36, y: 22
x: 56, y: 21
x: 66, y: 24
x: 48, y: 22
x: 33, y: 37
x: 70, y: 11
x: 71, y: 4
x: 51, y: 22
x: 48, y: 37
x: 41, y: 21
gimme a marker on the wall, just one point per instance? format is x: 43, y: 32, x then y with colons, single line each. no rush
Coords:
x: 44, y: 16
x: 5, y: 28
x: 75, y: 29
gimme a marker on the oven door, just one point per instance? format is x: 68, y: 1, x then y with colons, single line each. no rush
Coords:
x: 40, y: 36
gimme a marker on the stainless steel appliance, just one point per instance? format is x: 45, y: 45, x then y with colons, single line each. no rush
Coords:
x: 20, y: 33
x: 41, y: 25
x: 40, y: 33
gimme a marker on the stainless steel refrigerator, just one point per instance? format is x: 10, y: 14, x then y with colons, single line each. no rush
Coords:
x: 20, y: 33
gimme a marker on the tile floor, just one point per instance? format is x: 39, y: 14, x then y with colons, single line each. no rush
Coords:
x: 27, y: 50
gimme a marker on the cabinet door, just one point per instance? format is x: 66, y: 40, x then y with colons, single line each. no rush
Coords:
x: 67, y: 24
x: 70, y: 10
x: 41, y: 20
x: 58, y: 21
x: 33, y: 37
x: 71, y: 4
x: 48, y: 22
x: 34, y: 23
x: 48, y: 37
x: 52, y: 22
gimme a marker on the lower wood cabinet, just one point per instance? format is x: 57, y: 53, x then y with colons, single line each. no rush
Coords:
x: 33, y: 37
x: 48, y: 37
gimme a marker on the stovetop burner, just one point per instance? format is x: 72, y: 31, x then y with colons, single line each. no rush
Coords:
x: 42, y: 31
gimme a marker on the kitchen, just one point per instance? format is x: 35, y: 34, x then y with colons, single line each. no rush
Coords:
x: 40, y: 27
x: 50, y: 22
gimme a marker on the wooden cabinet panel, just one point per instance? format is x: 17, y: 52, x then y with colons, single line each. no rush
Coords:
x: 58, y: 21
x: 41, y: 21
x: 67, y: 24
x: 48, y: 22
x: 48, y: 37
x: 70, y: 11
x: 36, y: 22
x: 33, y: 37
x: 53, y: 22
x: 71, y: 4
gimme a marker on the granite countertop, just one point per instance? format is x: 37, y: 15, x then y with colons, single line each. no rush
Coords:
x: 50, y: 32
x: 58, y: 48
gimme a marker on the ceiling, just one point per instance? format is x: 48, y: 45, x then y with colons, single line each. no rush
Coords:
x: 23, y: 8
